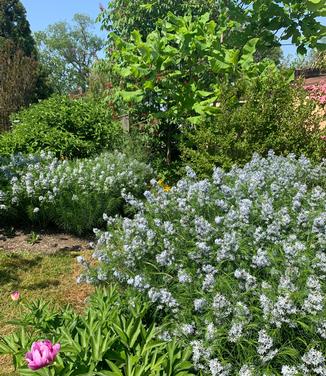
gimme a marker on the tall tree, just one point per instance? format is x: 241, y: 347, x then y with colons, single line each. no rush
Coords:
x: 174, y: 75
x: 20, y: 80
x: 69, y: 51
x: 15, y: 27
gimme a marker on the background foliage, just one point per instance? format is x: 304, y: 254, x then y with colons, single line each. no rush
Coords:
x: 170, y: 75
x: 68, y: 52
x: 256, y: 115
x: 15, y: 27
x: 294, y: 18
x: 18, y: 79
x: 163, y: 76
x: 22, y: 77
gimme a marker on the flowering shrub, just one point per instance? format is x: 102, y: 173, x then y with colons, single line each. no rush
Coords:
x: 72, y: 194
x: 317, y: 92
x: 237, y: 262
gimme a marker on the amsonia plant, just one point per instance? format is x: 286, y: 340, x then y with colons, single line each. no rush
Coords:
x: 237, y: 261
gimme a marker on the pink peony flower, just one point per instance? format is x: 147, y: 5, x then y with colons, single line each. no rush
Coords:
x: 42, y: 354
x: 15, y: 295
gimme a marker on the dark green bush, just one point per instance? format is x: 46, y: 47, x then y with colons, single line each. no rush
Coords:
x: 255, y: 116
x: 67, y: 127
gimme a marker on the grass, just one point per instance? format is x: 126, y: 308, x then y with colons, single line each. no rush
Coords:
x: 37, y: 275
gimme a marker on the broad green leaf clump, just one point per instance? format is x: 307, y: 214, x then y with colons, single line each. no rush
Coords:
x: 71, y: 194
x: 177, y: 72
x: 237, y: 262
x: 115, y: 336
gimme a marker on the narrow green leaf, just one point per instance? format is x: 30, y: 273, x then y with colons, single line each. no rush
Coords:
x: 135, y: 333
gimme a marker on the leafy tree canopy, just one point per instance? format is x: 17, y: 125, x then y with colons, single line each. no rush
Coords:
x: 22, y: 78
x: 69, y: 52
x: 178, y: 70
x: 175, y: 76
x: 125, y: 16
x: 171, y: 59
x: 15, y: 27
x: 271, y: 20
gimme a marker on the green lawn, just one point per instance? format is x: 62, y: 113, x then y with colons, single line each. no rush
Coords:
x: 36, y: 275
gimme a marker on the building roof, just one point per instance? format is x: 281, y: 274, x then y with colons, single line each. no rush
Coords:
x: 318, y: 80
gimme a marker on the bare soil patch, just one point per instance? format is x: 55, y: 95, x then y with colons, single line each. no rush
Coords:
x: 46, y: 241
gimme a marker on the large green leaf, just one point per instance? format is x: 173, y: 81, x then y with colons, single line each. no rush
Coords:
x: 219, y: 66
x: 136, y: 95
x: 248, y: 52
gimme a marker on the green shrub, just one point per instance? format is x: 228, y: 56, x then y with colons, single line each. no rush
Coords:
x: 115, y: 336
x: 67, y: 127
x: 255, y: 116
x: 73, y: 195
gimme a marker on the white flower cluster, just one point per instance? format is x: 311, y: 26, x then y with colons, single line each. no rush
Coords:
x: 63, y: 190
x: 242, y: 256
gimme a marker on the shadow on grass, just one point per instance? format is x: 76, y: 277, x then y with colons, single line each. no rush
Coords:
x: 71, y: 251
x: 48, y: 283
x: 11, y: 266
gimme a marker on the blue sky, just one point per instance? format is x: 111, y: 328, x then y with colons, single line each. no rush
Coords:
x: 41, y: 13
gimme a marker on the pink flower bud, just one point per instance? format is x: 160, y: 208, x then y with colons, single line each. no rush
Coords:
x: 42, y: 354
x: 15, y: 295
